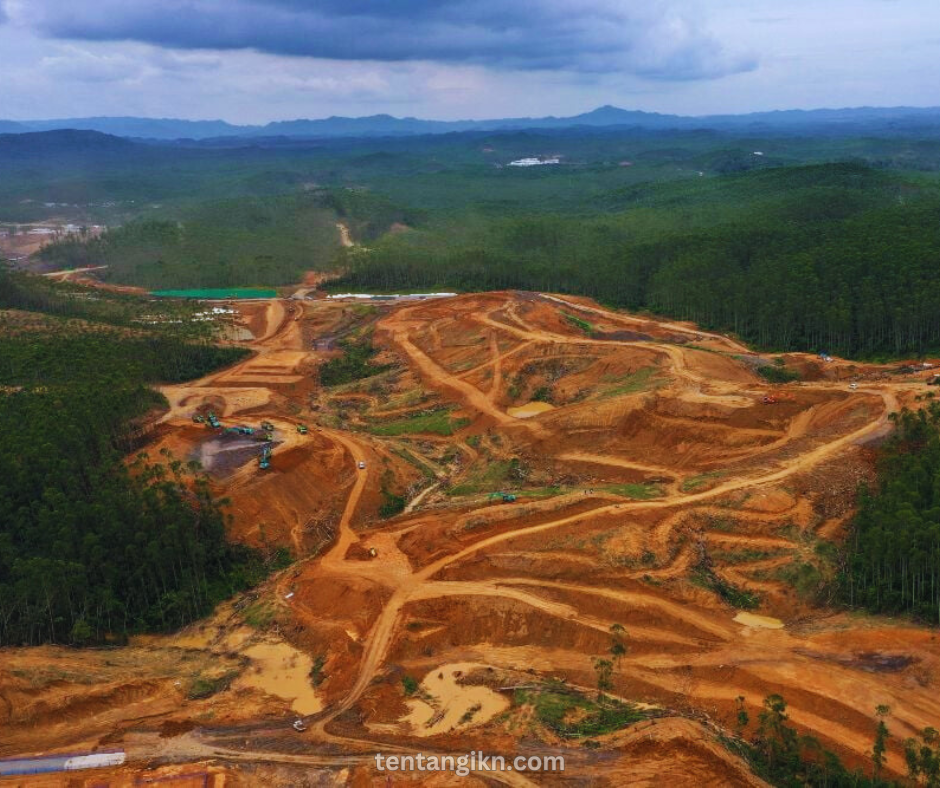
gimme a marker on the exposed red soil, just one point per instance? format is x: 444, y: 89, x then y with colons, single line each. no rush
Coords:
x: 657, y: 462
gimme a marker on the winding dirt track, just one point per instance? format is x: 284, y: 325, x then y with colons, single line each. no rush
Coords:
x: 685, y: 645
x: 421, y: 584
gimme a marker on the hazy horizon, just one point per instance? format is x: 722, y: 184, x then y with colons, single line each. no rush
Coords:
x: 256, y: 61
x: 49, y: 118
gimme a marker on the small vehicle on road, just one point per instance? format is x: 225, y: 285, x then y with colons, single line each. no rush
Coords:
x: 362, y: 465
x: 299, y: 726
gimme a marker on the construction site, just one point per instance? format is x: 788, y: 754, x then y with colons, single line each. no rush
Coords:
x: 537, y: 526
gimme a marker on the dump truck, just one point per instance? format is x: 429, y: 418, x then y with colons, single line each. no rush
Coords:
x: 506, y: 497
x: 302, y: 429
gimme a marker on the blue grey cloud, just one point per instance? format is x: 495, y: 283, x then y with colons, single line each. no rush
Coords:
x: 656, y: 39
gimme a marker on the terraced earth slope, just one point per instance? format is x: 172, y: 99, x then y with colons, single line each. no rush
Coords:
x: 525, y: 485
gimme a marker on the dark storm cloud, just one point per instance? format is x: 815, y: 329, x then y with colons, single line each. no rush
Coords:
x: 653, y: 38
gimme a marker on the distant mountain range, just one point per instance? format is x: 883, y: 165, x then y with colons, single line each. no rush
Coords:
x: 836, y: 121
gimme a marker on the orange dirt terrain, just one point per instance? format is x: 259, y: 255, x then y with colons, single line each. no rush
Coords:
x: 526, y: 480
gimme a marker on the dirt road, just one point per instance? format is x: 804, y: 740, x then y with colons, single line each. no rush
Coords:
x: 532, y: 587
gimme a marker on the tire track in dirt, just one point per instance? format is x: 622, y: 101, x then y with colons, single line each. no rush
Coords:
x: 379, y: 639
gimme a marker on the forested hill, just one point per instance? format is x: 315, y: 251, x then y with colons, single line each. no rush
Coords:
x: 231, y: 243
x: 88, y: 549
x: 836, y: 257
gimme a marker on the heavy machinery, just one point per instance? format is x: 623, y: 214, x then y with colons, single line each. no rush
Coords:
x: 264, y: 462
x: 769, y: 399
x: 267, y: 426
x: 299, y: 726
x: 302, y: 429
x: 505, y: 497
x: 199, y: 419
x: 240, y: 430
x: 212, y: 421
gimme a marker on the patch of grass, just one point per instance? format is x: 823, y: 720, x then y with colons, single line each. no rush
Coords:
x: 489, y: 478
x: 259, y: 615
x: 543, y: 492
x: 438, y: 422
x: 542, y: 394
x: 205, y: 687
x: 632, y: 383
x: 705, y: 577
x: 572, y: 715
x: 639, y: 492
x: 317, y: 676
x: 577, y: 322
x: 408, y: 457
x: 470, y: 713
x: 409, y: 684
x: 411, y: 397
x: 354, y: 364
x: 745, y: 556
x: 813, y: 580
x: 776, y: 373
x: 391, y: 505
x: 694, y: 482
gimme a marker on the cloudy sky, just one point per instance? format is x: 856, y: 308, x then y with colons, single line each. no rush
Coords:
x: 260, y: 60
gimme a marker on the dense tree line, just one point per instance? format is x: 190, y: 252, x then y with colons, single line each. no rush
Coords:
x: 784, y: 757
x: 232, y: 243
x: 89, y: 547
x: 836, y: 257
x: 893, y: 563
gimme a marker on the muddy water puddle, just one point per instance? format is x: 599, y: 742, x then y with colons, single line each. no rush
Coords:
x: 529, y: 410
x: 284, y: 672
x: 446, y: 704
x: 226, y: 453
x: 761, y: 622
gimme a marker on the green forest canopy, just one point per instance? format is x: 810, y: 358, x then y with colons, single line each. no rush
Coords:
x: 893, y: 561
x: 837, y: 257
x: 90, y: 549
